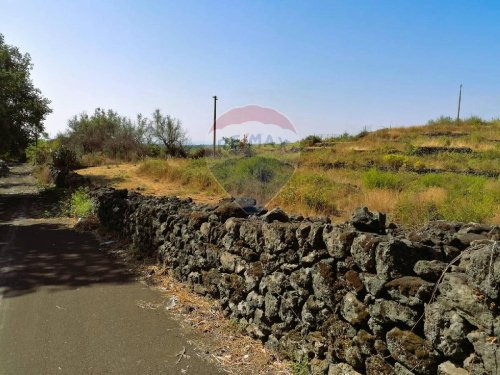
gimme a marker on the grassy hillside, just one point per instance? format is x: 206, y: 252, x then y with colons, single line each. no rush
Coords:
x: 443, y: 170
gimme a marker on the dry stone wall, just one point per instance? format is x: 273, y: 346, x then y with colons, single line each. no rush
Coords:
x: 351, y: 298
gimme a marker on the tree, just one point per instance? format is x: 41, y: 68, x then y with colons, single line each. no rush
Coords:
x: 22, y: 106
x: 169, y: 131
x: 105, y: 131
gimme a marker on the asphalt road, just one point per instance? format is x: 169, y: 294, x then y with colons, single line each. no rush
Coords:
x: 67, y: 307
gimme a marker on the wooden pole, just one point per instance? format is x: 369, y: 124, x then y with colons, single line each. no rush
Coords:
x: 215, y: 121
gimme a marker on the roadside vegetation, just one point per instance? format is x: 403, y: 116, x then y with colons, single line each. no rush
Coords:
x: 23, y: 108
x: 192, y: 174
x: 442, y: 170
x: 385, y: 170
x: 446, y: 169
x: 81, y: 204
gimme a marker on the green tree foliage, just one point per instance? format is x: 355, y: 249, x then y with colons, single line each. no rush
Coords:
x: 22, y: 106
x: 238, y: 146
x: 168, y: 130
x: 119, y: 137
x: 41, y: 153
x: 107, y: 132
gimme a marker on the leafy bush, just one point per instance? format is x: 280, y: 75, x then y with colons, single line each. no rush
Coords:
x: 81, y: 204
x: 395, y: 162
x: 199, y: 153
x: 41, y: 152
x: 65, y: 159
x: 375, y: 179
x: 310, y: 141
x: 109, y: 133
x: 238, y: 146
x: 153, y: 150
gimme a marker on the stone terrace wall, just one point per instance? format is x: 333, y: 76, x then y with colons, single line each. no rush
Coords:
x: 352, y: 298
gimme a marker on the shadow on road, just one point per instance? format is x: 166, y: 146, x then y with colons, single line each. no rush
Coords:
x: 38, y: 254
x: 43, y: 204
x: 53, y: 256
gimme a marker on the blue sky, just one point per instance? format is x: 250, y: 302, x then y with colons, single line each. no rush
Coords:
x: 329, y: 66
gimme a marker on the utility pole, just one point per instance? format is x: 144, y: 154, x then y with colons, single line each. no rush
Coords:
x: 459, y: 102
x: 215, y: 121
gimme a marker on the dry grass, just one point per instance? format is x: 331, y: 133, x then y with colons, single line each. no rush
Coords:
x: 433, y: 194
x: 42, y: 175
x: 126, y: 176
x: 235, y: 352
x: 377, y: 171
x: 169, y: 170
x: 383, y: 200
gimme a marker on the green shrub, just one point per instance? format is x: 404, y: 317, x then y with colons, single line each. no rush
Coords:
x: 39, y: 154
x: 375, y: 179
x: 199, y: 153
x: 153, y: 150
x: 107, y: 132
x: 81, y: 204
x: 310, y: 141
x: 64, y: 158
x: 395, y: 162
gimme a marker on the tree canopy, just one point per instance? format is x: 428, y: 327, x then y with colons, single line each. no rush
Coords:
x: 22, y: 106
x: 107, y: 132
x: 169, y: 131
x: 119, y: 137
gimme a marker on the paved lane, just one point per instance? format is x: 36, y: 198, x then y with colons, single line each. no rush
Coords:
x: 67, y: 307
